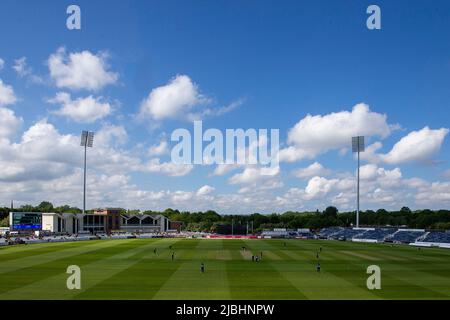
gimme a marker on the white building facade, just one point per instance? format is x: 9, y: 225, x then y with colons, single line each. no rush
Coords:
x: 73, y: 223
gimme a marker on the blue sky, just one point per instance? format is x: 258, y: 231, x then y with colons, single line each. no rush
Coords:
x: 277, y: 61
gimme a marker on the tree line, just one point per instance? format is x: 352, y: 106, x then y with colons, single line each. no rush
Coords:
x: 209, y: 221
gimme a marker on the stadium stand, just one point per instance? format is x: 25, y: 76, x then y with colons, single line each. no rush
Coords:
x: 375, y: 235
x: 434, y: 239
x: 405, y: 236
x: 346, y: 234
x: 121, y: 235
x: 437, y: 237
x: 326, y: 233
x: 416, y: 237
x: 304, y: 235
x: 275, y: 233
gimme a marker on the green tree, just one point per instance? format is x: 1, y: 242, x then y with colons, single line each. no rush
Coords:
x: 45, y: 206
x: 405, y: 210
x: 4, y: 222
x: 331, y: 212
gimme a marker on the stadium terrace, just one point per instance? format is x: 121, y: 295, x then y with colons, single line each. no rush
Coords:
x: 111, y: 223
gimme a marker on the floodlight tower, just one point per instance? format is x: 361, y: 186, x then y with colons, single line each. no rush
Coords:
x: 357, y: 147
x: 87, y: 140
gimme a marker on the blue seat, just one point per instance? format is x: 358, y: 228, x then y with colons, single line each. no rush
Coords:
x: 437, y: 237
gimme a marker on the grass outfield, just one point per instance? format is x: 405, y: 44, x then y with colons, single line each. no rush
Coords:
x: 129, y: 269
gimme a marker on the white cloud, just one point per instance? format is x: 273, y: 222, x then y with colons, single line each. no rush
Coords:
x: 314, y: 135
x: 83, y: 110
x: 7, y: 95
x: 111, y: 135
x: 44, y: 175
x: 22, y: 70
x: 181, y: 99
x: 222, y: 169
x: 46, y: 164
x: 181, y: 196
x: 2, y: 63
x: 379, y: 188
x: 80, y: 70
x: 104, y: 190
x: 252, y: 174
x: 381, y: 197
x: 161, y: 148
x: 318, y: 194
x: 368, y: 172
x: 290, y: 199
x: 382, y: 176
x: 223, y: 110
x: 205, y: 190
x: 261, y: 186
x: 20, y: 66
x: 318, y: 187
x: 43, y: 154
x: 173, y: 100
x: 167, y: 168
x: 417, y: 146
x: 255, y: 180
x: 315, y: 169
x: 9, y: 123
x: 416, y: 183
x: 117, y: 190
x: 370, y: 152
x: 435, y: 195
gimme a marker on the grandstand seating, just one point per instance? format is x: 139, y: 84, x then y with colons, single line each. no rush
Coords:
x: 412, y: 236
x: 375, y: 234
x: 288, y: 234
x: 437, y: 237
x: 305, y: 235
x: 122, y: 235
x: 346, y: 234
x: 328, y: 232
x: 405, y: 236
x: 275, y: 234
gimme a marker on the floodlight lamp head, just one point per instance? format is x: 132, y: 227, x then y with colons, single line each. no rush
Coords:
x: 87, y: 139
x: 358, y: 144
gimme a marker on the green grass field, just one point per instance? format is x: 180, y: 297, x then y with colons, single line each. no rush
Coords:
x: 129, y: 269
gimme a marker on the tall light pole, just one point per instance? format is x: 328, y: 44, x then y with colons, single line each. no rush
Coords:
x: 87, y: 140
x: 357, y: 147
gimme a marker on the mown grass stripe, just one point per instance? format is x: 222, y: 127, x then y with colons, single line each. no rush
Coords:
x: 137, y: 280
x: 187, y: 282
x: 71, y: 250
x: 129, y: 269
x: 18, y: 251
x: 392, y: 284
x: 27, y: 276
x: 312, y: 284
x: 91, y: 273
x: 278, y: 286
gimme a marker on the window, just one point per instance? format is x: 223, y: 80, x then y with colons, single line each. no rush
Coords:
x: 147, y: 221
x: 133, y: 221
